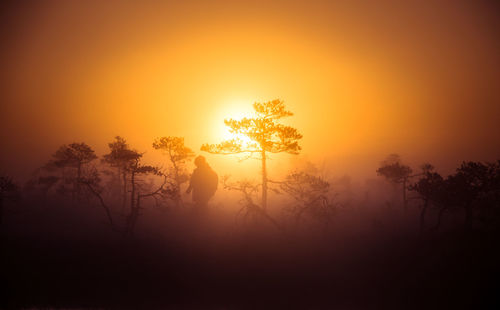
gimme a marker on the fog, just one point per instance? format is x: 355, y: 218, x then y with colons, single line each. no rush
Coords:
x: 249, y: 154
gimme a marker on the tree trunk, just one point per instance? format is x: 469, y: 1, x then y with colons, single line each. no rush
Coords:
x: 440, y: 217
x: 422, y: 215
x: 103, y: 204
x: 133, y: 208
x: 264, y: 181
x: 124, y: 179
x: 178, y: 197
x: 132, y: 191
x: 405, y: 201
x: 132, y: 220
x: 76, y: 189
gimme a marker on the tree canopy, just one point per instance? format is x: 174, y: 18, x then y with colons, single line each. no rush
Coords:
x: 73, y: 155
x: 263, y: 130
x: 266, y: 134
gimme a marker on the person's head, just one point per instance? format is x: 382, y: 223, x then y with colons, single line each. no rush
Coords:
x: 200, y: 161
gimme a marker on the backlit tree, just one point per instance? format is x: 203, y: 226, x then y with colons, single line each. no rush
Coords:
x: 74, y: 156
x: 310, y: 194
x: 122, y: 158
x: 266, y: 134
x: 397, y: 173
x: 178, y: 154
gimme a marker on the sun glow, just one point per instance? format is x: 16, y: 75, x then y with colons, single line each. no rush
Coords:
x: 236, y: 109
x: 230, y: 136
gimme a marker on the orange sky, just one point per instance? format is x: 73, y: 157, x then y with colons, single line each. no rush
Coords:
x: 364, y: 79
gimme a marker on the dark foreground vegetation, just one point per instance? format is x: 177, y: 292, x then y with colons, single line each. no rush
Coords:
x: 64, y: 256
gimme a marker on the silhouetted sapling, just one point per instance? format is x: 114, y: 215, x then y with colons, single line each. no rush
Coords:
x: 74, y: 156
x: 178, y: 154
x: 395, y: 172
x: 266, y: 134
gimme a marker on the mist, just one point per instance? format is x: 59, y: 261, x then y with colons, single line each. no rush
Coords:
x: 249, y: 154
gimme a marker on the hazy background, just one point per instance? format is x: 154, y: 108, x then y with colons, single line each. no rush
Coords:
x: 364, y: 78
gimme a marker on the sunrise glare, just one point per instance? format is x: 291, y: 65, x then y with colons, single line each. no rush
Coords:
x: 250, y: 154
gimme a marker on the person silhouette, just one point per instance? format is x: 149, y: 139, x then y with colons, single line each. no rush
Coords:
x: 203, y: 183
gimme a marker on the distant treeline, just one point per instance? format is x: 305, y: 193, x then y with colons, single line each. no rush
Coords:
x: 121, y: 180
x: 474, y: 188
x: 120, y: 183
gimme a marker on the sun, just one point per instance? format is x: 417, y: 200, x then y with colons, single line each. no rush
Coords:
x: 236, y: 109
x: 229, y: 136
